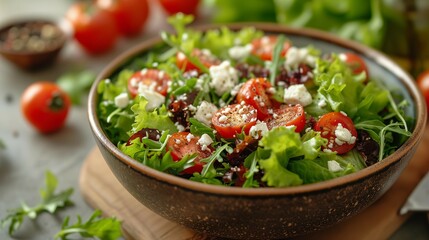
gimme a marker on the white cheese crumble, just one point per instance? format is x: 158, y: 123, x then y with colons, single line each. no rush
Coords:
x: 295, y: 56
x: 154, y: 99
x: 240, y: 52
x: 343, y: 135
x: 179, y: 127
x: 224, y: 77
x: 297, y: 94
x: 189, y: 137
x: 122, y: 100
x: 205, y: 141
x: 258, y: 130
x: 334, y: 166
x: 205, y: 112
x: 322, y: 103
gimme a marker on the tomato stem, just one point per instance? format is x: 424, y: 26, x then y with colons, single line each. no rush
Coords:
x: 57, y: 102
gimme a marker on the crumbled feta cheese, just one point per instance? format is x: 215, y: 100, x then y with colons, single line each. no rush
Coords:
x: 297, y: 94
x: 179, y: 127
x: 121, y: 101
x: 224, y: 77
x: 223, y: 118
x: 258, y: 130
x: 322, y: 103
x: 334, y: 166
x: 189, y: 137
x: 240, y: 52
x: 154, y: 99
x: 205, y: 139
x: 295, y: 56
x: 343, y: 135
x: 203, y: 110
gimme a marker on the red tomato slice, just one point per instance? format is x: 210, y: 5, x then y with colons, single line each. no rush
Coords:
x: 186, y: 7
x: 255, y: 93
x: 263, y: 47
x: 186, y: 65
x: 181, y: 145
x: 287, y: 115
x: 153, y: 78
x: 234, y: 119
x: 356, y: 63
x: 339, y: 130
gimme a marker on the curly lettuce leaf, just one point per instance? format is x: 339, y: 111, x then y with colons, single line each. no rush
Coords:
x: 156, y: 119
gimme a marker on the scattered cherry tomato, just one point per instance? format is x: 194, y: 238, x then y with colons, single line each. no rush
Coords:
x: 176, y: 6
x: 356, y: 63
x: 94, y: 28
x: 287, y: 115
x: 234, y: 119
x: 255, y: 93
x: 329, y: 127
x: 186, y: 65
x: 152, y: 78
x: 264, y: 47
x: 423, y: 83
x: 181, y: 145
x: 45, y: 106
x: 130, y: 15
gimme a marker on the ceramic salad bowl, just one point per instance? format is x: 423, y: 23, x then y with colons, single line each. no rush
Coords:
x: 265, y: 212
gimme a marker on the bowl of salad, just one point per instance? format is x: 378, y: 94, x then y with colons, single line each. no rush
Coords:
x: 255, y: 131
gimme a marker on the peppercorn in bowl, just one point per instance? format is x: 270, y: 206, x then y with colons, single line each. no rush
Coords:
x: 259, y: 132
x: 31, y: 44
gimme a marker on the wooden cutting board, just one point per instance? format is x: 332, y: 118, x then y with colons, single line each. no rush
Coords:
x: 102, y: 190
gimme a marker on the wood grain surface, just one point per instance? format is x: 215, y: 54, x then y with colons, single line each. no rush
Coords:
x: 102, y: 191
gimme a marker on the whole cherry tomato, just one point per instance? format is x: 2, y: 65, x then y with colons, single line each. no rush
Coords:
x: 130, y: 15
x: 423, y: 83
x: 264, y: 47
x: 356, y: 63
x: 339, y: 130
x: 233, y: 119
x: 94, y: 28
x: 184, y: 6
x: 181, y: 145
x: 45, y: 106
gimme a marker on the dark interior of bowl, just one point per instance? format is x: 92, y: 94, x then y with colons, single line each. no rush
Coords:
x: 267, y: 212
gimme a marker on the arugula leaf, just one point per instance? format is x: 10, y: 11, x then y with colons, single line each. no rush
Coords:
x: 51, y: 201
x: 96, y: 227
x: 276, y: 58
x: 76, y: 84
x: 198, y: 128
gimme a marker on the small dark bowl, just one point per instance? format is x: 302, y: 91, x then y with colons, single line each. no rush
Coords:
x: 266, y: 213
x: 31, y: 59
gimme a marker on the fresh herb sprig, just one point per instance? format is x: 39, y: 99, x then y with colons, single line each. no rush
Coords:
x: 96, y: 227
x: 51, y: 202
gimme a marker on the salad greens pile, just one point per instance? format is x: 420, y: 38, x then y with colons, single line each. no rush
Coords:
x: 282, y: 157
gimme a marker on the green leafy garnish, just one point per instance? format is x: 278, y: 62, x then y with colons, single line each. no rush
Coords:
x: 51, y: 201
x: 76, y: 84
x: 276, y: 58
x: 96, y: 227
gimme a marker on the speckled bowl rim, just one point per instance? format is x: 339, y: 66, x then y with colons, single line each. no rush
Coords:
x: 378, y: 57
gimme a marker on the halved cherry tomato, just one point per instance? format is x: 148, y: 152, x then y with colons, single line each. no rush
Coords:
x: 356, y: 63
x: 255, y: 93
x: 339, y: 130
x: 153, y: 78
x: 287, y: 115
x: 94, y: 28
x: 45, y: 106
x: 181, y: 145
x: 130, y: 15
x: 186, y: 65
x: 264, y: 47
x: 234, y: 119
x: 423, y: 84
